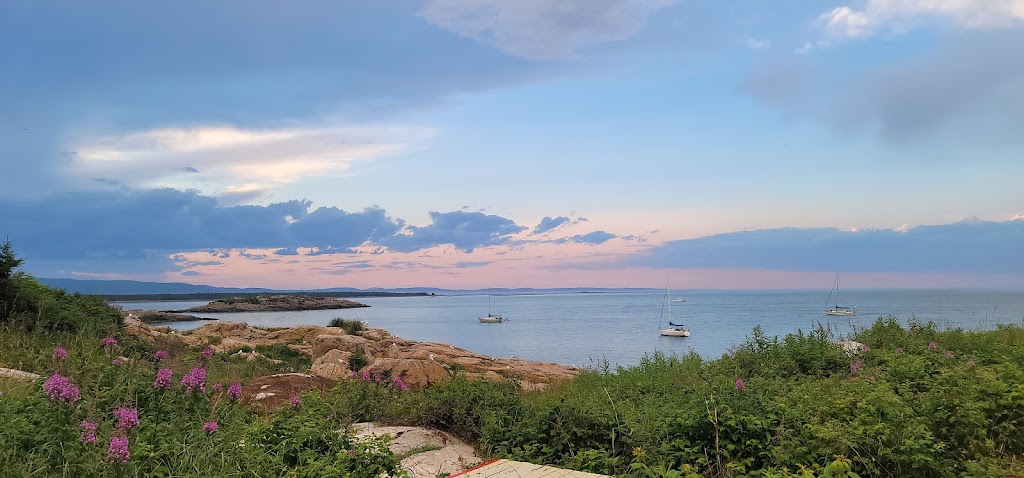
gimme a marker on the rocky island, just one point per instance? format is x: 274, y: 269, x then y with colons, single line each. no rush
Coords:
x: 273, y: 303
x: 158, y: 316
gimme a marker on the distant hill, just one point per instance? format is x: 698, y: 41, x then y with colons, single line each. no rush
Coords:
x: 131, y: 287
x: 111, y: 287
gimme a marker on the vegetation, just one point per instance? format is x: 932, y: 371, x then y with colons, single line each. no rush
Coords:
x: 350, y: 326
x: 911, y: 401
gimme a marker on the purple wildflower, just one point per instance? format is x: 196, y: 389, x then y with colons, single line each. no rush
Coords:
x: 207, y: 352
x: 856, y: 365
x: 899, y: 350
x: 120, y: 361
x: 296, y: 401
x: 235, y: 391
x: 377, y: 378
x: 949, y: 354
x: 864, y: 347
x: 740, y: 385
x: 210, y: 427
x: 366, y: 376
x: 58, y: 388
x: 118, y: 451
x: 88, y: 432
x: 196, y: 379
x: 59, y: 353
x: 163, y: 378
x: 932, y: 346
x: 217, y: 387
x: 126, y: 417
x: 399, y: 384
x: 160, y: 354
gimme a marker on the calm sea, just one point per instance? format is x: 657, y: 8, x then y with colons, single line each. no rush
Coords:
x: 586, y: 328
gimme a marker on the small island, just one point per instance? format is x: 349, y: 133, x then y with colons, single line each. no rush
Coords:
x: 273, y: 303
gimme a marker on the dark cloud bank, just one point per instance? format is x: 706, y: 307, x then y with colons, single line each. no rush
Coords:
x: 967, y: 246
x: 125, y: 224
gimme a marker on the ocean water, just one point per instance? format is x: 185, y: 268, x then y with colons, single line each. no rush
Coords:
x: 585, y: 329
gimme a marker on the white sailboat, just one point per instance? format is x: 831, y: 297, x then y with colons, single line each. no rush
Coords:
x: 673, y: 329
x: 491, y: 318
x: 837, y: 309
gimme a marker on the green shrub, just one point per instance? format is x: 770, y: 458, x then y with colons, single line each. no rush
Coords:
x: 350, y: 326
x: 358, y: 360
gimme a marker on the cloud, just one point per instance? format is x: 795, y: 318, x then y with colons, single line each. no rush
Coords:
x: 242, y: 162
x: 542, y: 29
x: 261, y: 69
x: 967, y: 246
x: 969, y: 90
x: 132, y: 224
x: 471, y: 264
x: 755, y: 44
x: 594, y: 238
x: 464, y: 230
x: 549, y: 224
x: 902, y: 15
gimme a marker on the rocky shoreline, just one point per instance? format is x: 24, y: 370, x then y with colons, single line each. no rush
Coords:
x: 337, y: 355
x: 159, y: 316
x: 273, y: 303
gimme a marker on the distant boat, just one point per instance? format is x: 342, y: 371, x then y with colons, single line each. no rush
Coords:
x: 838, y: 309
x: 673, y: 329
x: 491, y: 318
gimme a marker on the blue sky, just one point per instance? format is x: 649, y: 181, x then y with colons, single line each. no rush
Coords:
x: 486, y: 143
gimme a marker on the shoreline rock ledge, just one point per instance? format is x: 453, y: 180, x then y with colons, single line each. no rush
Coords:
x: 338, y: 355
x: 274, y: 303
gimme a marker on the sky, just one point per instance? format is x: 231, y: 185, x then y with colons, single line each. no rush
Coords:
x: 728, y: 144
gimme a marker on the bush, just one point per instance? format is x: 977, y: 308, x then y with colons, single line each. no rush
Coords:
x: 350, y: 326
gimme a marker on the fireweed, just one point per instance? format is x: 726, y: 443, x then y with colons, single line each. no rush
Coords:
x: 163, y: 378
x: 195, y: 380
x: 118, y: 450
x: 235, y: 391
x: 126, y: 417
x: 59, y: 389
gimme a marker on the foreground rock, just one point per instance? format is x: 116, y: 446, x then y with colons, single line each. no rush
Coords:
x: 18, y: 374
x: 337, y: 355
x: 445, y: 453
x: 274, y: 303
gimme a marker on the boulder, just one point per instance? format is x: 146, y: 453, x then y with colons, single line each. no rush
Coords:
x: 449, y: 456
x: 18, y: 374
x: 333, y: 365
x: 348, y: 343
x: 415, y: 373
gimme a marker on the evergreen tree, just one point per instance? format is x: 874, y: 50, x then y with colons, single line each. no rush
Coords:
x: 8, y: 263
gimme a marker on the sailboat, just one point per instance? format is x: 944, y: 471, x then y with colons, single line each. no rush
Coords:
x: 837, y: 309
x: 673, y: 330
x: 491, y: 318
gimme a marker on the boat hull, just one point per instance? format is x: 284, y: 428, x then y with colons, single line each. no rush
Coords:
x: 491, y: 319
x: 675, y: 332
x: 846, y: 313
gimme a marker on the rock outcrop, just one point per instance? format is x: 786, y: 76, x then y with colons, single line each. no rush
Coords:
x: 274, y: 303
x: 373, y: 351
x: 446, y: 454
